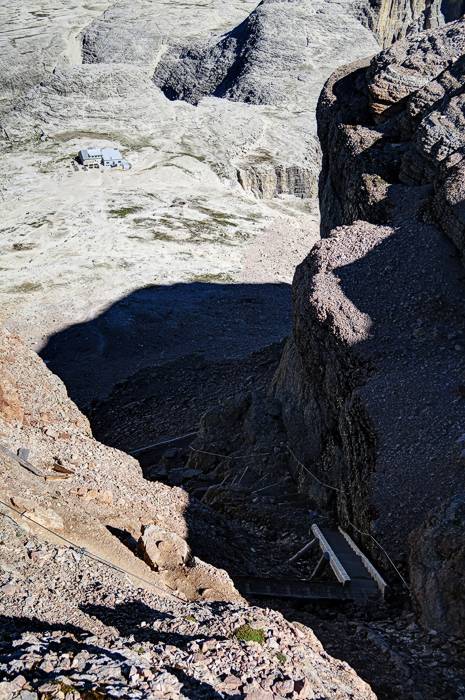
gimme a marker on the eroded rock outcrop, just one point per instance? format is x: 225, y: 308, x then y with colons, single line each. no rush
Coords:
x: 370, y: 383
x: 392, y: 20
x: 409, y: 65
x: 437, y: 563
x: 78, y: 599
x: 269, y: 57
x: 90, y: 492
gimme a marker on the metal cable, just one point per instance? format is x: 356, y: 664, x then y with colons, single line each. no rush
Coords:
x: 85, y: 552
x: 366, y: 534
x: 328, y: 486
x: 251, y: 456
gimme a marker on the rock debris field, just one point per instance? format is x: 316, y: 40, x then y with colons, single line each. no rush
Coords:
x: 141, y: 305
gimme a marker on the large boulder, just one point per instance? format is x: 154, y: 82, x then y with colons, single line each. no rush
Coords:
x: 162, y: 549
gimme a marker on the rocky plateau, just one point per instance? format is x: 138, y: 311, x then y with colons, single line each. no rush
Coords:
x: 313, y: 142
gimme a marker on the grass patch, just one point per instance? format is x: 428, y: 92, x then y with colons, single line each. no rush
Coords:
x: 123, y: 212
x: 213, y: 228
x: 189, y: 618
x: 212, y: 278
x: 282, y: 658
x: 219, y: 217
x: 25, y: 287
x: 247, y: 633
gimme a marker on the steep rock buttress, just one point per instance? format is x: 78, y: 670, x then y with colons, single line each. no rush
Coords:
x: 371, y: 381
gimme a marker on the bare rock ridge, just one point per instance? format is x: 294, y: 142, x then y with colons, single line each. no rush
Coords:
x: 105, y: 492
x: 278, y: 39
x: 110, y: 38
x: 276, y: 56
x: 69, y: 621
x: 371, y: 382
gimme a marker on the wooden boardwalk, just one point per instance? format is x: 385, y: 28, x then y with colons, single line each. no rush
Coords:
x: 355, y: 577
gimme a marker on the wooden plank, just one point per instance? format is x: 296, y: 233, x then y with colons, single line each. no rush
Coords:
x: 23, y: 462
x: 375, y: 575
x: 335, y: 563
x: 296, y: 589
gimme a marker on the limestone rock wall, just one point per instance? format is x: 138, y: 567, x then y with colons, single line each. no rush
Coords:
x: 369, y: 383
x: 392, y: 20
x: 268, y: 181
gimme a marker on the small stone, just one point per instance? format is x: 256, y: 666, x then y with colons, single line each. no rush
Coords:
x: 105, y: 497
x: 46, y: 666
x: 258, y: 694
x: 231, y: 683
x: 22, y: 504
x: 283, y: 687
x: 50, y: 432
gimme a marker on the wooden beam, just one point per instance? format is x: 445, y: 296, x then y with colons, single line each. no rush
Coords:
x: 375, y: 575
x: 335, y: 563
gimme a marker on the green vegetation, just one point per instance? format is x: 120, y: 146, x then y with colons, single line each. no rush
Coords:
x: 62, y: 687
x: 94, y: 694
x: 123, y: 212
x: 97, y: 693
x: 282, y: 658
x: 219, y: 217
x: 247, y: 633
x: 212, y: 278
x: 190, y: 618
x: 25, y: 287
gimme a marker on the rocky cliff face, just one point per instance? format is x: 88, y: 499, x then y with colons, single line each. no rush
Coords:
x: 437, y: 563
x: 371, y: 381
x: 392, y: 20
x: 76, y: 619
x: 88, y: 492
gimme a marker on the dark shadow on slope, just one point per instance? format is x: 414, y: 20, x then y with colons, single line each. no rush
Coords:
x: 126, y: 617
x: 159, y: 324
x: 73, y: 640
